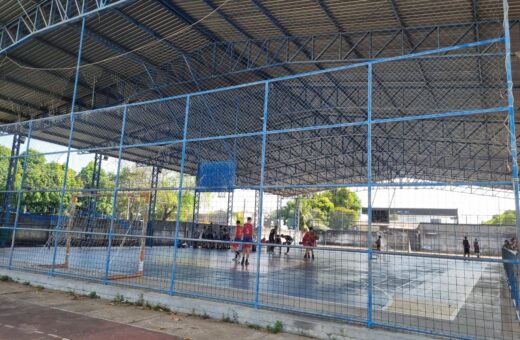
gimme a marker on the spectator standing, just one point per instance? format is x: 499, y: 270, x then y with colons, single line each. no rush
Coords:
x: 513, y: 244
x: 272, y: 240
x: 476, y: 248
x: 378, y: 243
x: 466, y: 246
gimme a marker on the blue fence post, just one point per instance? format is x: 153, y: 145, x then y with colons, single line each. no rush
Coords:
x: 19, y: 199
x: 261, y: 198
x: 71, y: 132
x: 369, y: 206
x: 114, y: 198
x: 179, y: 197
x: 511, y: 106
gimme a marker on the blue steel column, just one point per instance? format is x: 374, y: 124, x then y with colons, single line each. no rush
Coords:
x: 114, y: 198
x: 369, y: 205
x: 512, y: 133
x: 151, y: 206
x: 20, y: 190
x: 511, y: 105
x: 229, y: 212
x: 261, y: 199
x: 73, y: 106
x: 11, y: 175
x: 92, y: 201
x: 179, y: 197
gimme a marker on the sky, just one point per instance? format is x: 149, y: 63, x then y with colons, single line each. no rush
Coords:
x: 472, y: 208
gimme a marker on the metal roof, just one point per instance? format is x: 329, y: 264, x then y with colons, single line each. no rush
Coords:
x: 144, y: 50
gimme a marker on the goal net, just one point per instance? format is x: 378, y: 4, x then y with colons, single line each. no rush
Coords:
x: 91, y: 239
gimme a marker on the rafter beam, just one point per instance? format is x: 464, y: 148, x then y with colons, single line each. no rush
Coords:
x: 48, y: 15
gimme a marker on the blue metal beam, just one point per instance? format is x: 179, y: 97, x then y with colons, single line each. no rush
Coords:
x: 151, y: 205
x: 49, y: 15
x: 117, y: 48
x: 188, y: 19
x: 148, y: 30
x: 87, y: 61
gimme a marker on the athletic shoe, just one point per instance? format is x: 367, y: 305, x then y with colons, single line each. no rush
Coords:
x: 242, y: 261
x: 247, y: 262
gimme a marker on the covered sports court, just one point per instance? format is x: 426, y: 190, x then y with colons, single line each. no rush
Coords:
x: 157, y: 116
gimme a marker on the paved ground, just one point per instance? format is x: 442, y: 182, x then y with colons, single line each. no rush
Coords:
x: 30, y: 313
x: 445, y: 296
x: 401, y: 283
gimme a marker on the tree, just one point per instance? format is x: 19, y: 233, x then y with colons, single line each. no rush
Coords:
x: 106, y: 181
x: 508, y: 217
x: 43, y: 180
x: 342, y: 218
x: 334, y: 209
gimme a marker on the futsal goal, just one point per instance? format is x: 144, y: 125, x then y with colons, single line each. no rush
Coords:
x: 90, y: 233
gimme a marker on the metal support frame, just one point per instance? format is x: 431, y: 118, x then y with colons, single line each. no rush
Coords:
x: 279, y: 221
x: 48, y: 15
x: 92, y: 200
x: 370, y: 123
x: 297, y: 214
x: 327, y: 48
x: 19, y: 196
x: 179, y: 197
x: 69, y: 144
x: 152, y: 204
x: 369, y: 192
x: 229, y: 211
x: 511, y: 116
x: 196, y: 207
x: 18, y: 140
x: 255, y: 211
x: 114, y: 199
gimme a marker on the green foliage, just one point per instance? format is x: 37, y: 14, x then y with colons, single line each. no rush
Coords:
x: 119, y: 298
x: 276, y: 328
x: 332, y: 209
x: 5, y: 278
x: 42, y: 174
x: 508, y: 217
x: 93, y: 295
x: 253, y: 326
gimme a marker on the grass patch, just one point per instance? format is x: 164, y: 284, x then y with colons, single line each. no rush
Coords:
x: 40, y: 287
x: 5, y: 278
x: 119, y: 298
x: 140, y: 301
x: 254, y: 326
x: 93, y: 295
x: 26, y: 283
x: 226, y: 318
x: 276, y: 328
x: 194, y: 313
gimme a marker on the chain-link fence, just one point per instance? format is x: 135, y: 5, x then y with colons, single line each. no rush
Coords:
x: 266, y: 193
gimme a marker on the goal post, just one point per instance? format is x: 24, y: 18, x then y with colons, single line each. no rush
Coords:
x: 81, y: 222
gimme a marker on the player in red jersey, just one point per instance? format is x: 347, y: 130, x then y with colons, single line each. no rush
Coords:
x: 238, y: 238
x: 309, y: 242
x: 247, y: 230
